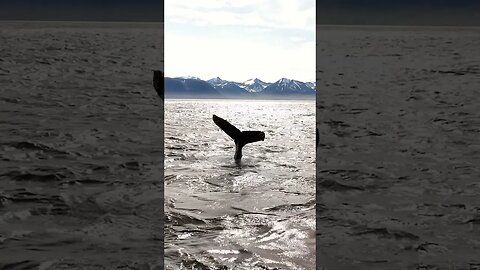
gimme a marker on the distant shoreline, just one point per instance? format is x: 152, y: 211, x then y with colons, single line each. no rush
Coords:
x: 81, y: 22
x: 394, y: 26
x: 317, y: 25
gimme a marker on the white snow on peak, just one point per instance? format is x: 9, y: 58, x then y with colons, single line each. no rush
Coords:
x: 249, y: 82
x: 311, y: 85
x: 218, y: 81
x: 252, y: 81
x: 284, y: 82
x: 254, y: 85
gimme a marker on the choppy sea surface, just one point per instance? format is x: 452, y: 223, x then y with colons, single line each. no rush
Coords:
x: 398, y: 162
x: 81, y: 154
x: 80, y: 146
x: 259, y: 214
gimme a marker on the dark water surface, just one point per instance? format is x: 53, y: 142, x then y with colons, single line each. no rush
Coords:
x: 80, y: 145
x: 398, y: 160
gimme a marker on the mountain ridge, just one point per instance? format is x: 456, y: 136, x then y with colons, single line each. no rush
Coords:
x: 188, y: 86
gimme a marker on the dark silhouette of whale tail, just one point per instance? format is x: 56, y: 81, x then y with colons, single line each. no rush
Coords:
x: 241, y: 138
x: 158, y: 83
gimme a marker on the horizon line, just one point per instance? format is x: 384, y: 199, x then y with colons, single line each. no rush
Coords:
x: 398, y: 25
x: 317, y: 24
x: 81, y: 21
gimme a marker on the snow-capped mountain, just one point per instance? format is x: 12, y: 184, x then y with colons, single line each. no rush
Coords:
x: 288, y: 87
x: 217, y: 82
x: 227, y: 88
x: 230, y: 89
x: 254, y: 85
x: 312, y: 85
x: 217, y: 87
x: 187, y: 87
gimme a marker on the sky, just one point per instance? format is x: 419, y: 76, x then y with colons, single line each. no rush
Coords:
x: 240, y: 40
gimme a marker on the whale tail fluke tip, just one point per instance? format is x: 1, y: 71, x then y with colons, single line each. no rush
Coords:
x: 228, y: 128
x: 158, y: 83
x: 252, y: 136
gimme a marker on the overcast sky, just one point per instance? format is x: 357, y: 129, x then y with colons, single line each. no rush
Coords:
x: 239, y: 40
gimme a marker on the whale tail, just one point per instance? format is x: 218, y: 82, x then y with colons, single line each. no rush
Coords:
x: 158, y: 83
x: 241, y: 138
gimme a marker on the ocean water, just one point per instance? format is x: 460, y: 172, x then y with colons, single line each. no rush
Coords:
x: 80, y: 146
x: 259, y: 214
x: 399, y: 151
x: 81, y: 153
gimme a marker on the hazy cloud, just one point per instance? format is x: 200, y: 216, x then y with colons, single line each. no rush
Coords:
x: 239, y: 40
x: 259, y: 13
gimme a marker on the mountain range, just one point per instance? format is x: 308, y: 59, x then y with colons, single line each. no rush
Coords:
x: 192, y: 87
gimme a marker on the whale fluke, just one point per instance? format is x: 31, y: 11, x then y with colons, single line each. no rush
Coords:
x: 228, y: 128
x: 158, y: 83
x: 241, y: 138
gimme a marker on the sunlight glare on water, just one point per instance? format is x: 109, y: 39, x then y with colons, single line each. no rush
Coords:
x: 259, y: 213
